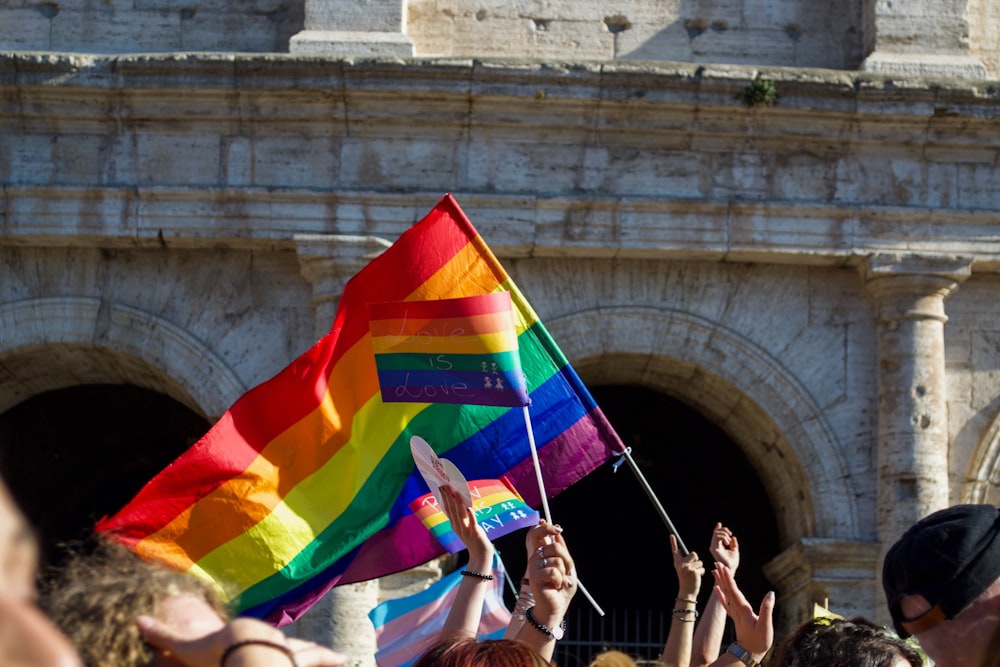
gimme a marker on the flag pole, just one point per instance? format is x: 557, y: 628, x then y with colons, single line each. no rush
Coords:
x: 545, y: 502
x: 627, y: 453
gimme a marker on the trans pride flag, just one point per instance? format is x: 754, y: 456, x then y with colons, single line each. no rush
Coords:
x: 305, y: 482
x: 406, y: 627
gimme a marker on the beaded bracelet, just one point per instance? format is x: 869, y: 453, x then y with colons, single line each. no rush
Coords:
x: 477, y: 575
x: 232, y: 648
x: 678, y: 612
x: 556, y: 633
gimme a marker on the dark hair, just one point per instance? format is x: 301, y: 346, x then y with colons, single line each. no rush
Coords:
x: 834, y: 642
x: 488, y: 653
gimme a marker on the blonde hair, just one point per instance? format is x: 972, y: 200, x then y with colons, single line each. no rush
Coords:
x: 612, y: 659
x: 97, y: 596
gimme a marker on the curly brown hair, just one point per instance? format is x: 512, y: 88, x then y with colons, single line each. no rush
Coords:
x: 833, y: 642
x: 97, y: 595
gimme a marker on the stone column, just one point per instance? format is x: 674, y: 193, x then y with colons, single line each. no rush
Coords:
x: 366, y: 28
x: 921, y: 38
x: 340, y: 620
x: 908, y: 292
x: 838, y: 573
x: 328, y: 262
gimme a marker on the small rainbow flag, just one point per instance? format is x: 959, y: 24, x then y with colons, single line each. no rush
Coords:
x: 448, y: 351
x: 499, y: 508
x: 305, y: 482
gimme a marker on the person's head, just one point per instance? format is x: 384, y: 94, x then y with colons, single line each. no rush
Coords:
x: 97, y: 596
x: 612, y: 659
x: 833, y: 642
x: 489, y: 653
x: 18, y: 550
x: 27, y: 637
x: 942, y: 583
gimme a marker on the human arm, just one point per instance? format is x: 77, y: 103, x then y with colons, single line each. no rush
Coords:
x: 754, y: 630
x: 725, y: 549
x: 467, y: 609
x: 525, y: 598
x: 552, y: 576
x: 249, y: 642
x: 689, y: 568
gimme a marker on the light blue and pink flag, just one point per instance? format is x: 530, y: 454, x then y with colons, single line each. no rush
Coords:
x: 405, y: 628
x: 499, y: 508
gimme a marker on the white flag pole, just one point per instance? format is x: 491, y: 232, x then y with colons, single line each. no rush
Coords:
x: 538, y: 467
x: 634, y: 467
x: 545, y: 502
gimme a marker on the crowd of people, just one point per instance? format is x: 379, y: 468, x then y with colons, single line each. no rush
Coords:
x: 110, y: 608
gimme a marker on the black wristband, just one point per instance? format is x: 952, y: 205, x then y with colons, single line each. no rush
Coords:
x: 553, y: 633
x: 232, y: 648
x: 477, y: 575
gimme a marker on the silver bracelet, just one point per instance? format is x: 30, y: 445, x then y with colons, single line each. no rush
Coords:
x: 742, y: 655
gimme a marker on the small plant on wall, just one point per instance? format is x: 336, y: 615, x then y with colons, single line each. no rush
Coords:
x: 760, y: 93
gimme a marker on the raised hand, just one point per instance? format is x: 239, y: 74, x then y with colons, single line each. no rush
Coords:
x: 463, y: 522
x: 725, y: 548
x: 754, y: 631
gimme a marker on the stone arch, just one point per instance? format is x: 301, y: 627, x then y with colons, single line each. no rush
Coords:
x: 55, y: 342
x: 983, y: 484
x: 742, y: 388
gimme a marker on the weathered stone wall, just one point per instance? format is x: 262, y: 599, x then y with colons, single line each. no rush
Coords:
x: 818, y: 278
x: 984, y: 33
x: 836, y: 35
x: 149, y: 26
x: 720, y: 31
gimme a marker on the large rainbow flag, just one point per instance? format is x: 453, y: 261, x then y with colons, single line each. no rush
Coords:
x: 305, y: 482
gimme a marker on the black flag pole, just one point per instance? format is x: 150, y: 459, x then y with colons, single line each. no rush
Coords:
x: 627, y: 454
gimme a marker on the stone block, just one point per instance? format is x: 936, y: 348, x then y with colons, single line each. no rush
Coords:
x: 24, y: 28
x: 351, y: 43
x: 126, y: 32
x: 80, y: 159
x: 295, y: 162
x: 409, y: 164
x: 358, y: 16
x: 27, y: 158
x: 237, y: 160
x: 177, y: 159
x: 209, y: 31
x: 670, y: 43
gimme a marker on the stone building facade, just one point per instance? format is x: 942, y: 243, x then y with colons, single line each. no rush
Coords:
x: 187, y: 187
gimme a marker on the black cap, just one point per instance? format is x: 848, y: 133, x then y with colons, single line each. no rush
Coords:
x: 949, y: 557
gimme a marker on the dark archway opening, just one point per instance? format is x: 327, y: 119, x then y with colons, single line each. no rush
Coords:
x: 620, y: 543
x: 73, y: 455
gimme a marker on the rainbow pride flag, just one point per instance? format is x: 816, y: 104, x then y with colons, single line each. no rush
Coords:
x: 499, y: 509
x: 305, y: 482
x: 448, y: 351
